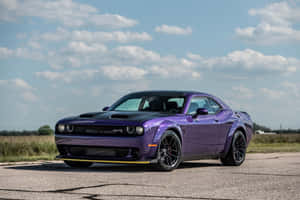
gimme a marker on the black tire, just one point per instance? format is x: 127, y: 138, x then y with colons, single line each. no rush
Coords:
x: 78, y: 164
x: 237, y: 153
x: 169, y: 152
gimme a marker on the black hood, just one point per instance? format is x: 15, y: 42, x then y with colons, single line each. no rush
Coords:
x: 126, y: 116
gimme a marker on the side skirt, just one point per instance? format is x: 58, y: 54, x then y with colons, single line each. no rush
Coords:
x: 201, y: 157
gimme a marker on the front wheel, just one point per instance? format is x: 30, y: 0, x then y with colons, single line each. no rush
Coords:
x: 237, y: 153
x: 169, y: 151
x: 78, y: 164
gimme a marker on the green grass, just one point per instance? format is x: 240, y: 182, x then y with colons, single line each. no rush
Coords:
x: 273, y: 147
x: 27, y: 158
x: 31, y: 148
x: 276, y: 138
x: 274, y: 143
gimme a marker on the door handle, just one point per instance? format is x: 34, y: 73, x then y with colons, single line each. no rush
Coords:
x: 216, y: 120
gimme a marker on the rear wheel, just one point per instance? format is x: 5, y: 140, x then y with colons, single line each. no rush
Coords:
x: 169, y: 152
x: 78, y: 164
x: 237, y: 153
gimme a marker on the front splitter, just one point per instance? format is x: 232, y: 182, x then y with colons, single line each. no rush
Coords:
x: 107, y: 161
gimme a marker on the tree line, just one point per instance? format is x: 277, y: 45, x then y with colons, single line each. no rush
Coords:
x: 267, y: 129
x: 43, y: 130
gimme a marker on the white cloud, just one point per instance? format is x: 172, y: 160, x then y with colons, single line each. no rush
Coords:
x: 20, y: 83
x: 81, y: 47
x: 9, y: 4
x: 292, y: 88
x: 5, y: 52
x: 79, y: 53
x: 119, y: 36
x: 28, y: 54
x: 16, y: 83
x: 24, y: 89
x: 29, y: 96
x: 243, y: 62
x: 118, y: 89
x: 34, y: 44
x: 249, y: 60
x: 136, y: 54
x: 242, y: 92
x: 96, y: 91
x: 175, y: 30
x: 20, y: 53
x: 123, y: 72
x: 92, y: 36
x: 114, y: 21
x: 272, y: 94
x: 68, y: 76
x: 173, y: 71
x: 194, y: 56
x: 276, y: 25
x: 67, y: 12
x: 58, y: 35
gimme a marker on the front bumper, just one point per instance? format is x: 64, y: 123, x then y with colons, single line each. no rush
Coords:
x: 107, y: 149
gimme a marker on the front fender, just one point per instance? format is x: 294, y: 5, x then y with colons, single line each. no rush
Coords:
x: 235, y: 126
x: 163, y: 127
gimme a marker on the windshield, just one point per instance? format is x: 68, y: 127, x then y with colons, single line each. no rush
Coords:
x: 168, y: 104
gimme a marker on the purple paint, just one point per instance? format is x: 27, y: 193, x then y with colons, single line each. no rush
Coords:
x: 200, y: 135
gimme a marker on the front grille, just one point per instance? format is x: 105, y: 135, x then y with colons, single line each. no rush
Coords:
x: 100, y: 130
x: 122, y: 153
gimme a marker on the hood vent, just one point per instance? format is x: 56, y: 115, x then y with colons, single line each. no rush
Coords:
x: 88, y: 115
x: 119, y: 116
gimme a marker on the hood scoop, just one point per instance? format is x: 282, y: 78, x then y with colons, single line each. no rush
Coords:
x: 118, y: 116
x: 88, y: 115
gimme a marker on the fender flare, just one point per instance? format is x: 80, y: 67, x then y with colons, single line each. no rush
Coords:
x: 237, y: 125
x: 163, y: 127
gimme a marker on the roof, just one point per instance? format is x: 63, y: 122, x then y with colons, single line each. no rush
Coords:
x: 174, y: 93
x: 167, y: 92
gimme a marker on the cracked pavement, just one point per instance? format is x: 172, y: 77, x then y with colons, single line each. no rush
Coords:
x: 262, y: 176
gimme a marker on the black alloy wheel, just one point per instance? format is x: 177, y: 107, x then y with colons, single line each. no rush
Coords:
x: 169, y: 152
x: 237, y: 153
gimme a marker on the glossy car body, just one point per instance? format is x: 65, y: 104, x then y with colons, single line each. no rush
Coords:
x: 103, y: 136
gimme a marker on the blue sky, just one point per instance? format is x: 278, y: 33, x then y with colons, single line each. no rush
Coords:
x: 63, y: 58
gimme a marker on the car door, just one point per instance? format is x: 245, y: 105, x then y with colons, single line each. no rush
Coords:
x: 200, y: 133
x: 223, y: 123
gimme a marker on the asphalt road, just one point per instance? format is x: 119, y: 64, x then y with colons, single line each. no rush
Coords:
x: 262, y: 176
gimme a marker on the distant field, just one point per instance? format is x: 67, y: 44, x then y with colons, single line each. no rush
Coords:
x: 276, y: 138
x: 275, y: 143
x: 21, y: 148
x: 29, y: 148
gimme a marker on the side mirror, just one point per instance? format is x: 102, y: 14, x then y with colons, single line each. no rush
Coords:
x: 105, y: 108
x: 201, y: 111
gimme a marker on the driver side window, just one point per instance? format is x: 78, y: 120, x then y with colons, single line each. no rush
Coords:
x: 197, y: 102
x: 213, y: 107
x: 203, y: 102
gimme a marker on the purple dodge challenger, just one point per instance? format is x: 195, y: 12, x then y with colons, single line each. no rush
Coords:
x: 161, y: 127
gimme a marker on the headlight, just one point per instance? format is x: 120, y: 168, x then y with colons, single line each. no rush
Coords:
x: 61, y: 128
x: 130, y: 130
x: 139, y: 130
x: 70, y: 128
